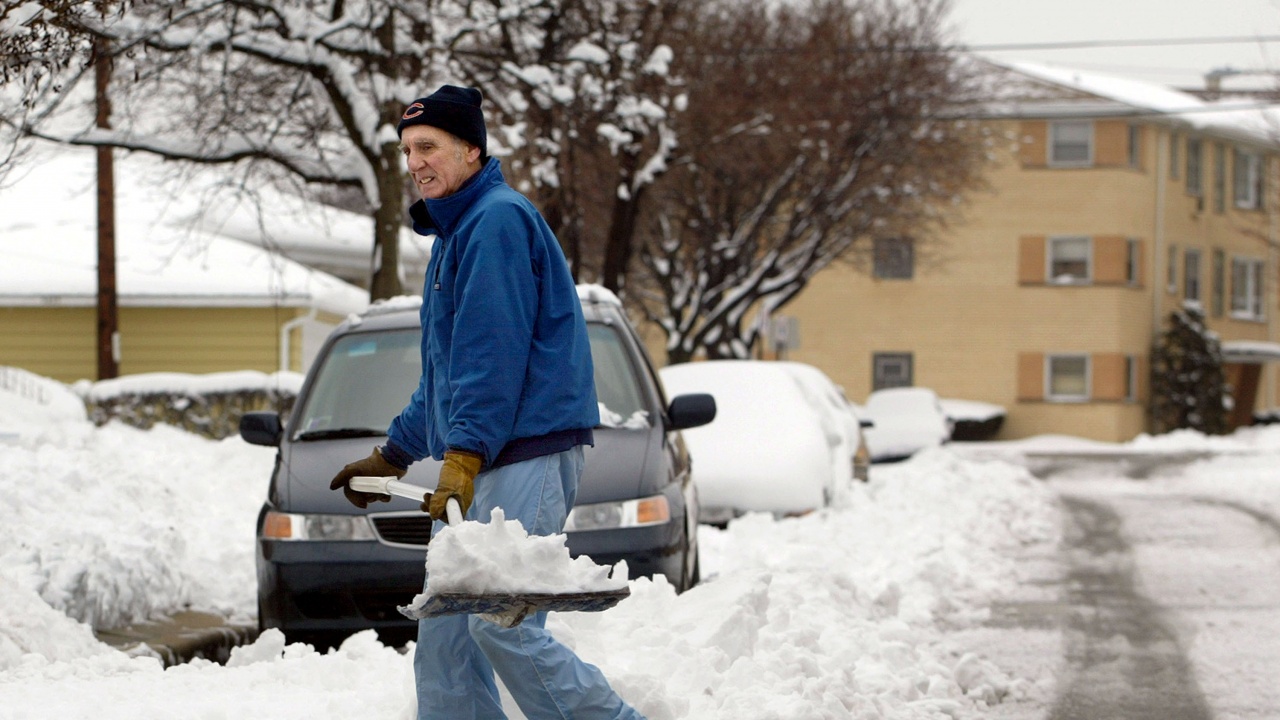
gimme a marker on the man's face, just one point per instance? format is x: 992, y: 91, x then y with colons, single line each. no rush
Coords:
x: 438, y: 161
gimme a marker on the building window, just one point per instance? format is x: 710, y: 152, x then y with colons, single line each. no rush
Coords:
x: 1171, y: 271
x: 1191, y: 275
x: 1131, y: 256
x: 891, y: 370
x: 1219, y: 178
x: 1135, y: 146
x: 1246, y: 289
x: 1194, y: 186
x: 894, y: 258
x: 1218, y: 282
x: 1071, y: 142
x: 1067, y: 377
x: 1175, y: 144
x: 1069, y: 260
x: 1130, y: 378
x: 1248, y: 180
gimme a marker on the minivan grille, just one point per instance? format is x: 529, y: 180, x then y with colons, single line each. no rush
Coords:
x: 403, y: 529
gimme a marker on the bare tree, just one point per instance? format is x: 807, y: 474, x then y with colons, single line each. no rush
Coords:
x: 594, y: 79
x: 39, y: 42
x: 313, y: 89
x: 813, y: 128
x: 803, y: 129
x: 310, y: 91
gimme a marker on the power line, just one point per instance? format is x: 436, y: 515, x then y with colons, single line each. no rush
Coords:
x: 1143, y: 42
x: 993, y: 47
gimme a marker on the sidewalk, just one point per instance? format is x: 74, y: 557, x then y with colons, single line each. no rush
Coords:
x: 181, y: 638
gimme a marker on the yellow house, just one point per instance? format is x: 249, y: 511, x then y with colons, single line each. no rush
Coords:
x: 1111, y: 204
x: 190, y: 301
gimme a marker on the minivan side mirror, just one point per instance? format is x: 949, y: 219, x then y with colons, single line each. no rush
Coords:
x: 261, y: 428
x: 691, y: 410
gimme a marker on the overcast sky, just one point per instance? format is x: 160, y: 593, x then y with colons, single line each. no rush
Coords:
x: 987, y: 22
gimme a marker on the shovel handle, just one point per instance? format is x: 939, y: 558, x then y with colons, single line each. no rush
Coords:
x: 453, y: 511
x: 392, y: 486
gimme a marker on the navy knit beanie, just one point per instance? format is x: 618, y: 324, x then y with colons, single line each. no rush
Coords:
x: 455, y: 110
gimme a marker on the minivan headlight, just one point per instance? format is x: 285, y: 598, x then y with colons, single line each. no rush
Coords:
x: 290, y: 526
x: 627, y: 514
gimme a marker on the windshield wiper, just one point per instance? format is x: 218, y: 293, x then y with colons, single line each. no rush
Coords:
x: 336, y: 433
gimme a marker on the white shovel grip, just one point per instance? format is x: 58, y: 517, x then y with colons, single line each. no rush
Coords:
x: 392, y: 486
x: 388, y: 486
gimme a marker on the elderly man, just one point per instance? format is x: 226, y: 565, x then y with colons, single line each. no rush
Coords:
x: 506, y: 400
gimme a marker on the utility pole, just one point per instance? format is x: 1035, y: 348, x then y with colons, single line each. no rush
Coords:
x: 108, y: 316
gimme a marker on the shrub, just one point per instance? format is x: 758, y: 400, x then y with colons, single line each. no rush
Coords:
x: 1188, y: 385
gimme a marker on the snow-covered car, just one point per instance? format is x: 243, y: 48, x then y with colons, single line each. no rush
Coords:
x: 972, y: 419
x: 779, y: 443
x: 842, y: 422
x: 327, y: 569
x: 904, y: 421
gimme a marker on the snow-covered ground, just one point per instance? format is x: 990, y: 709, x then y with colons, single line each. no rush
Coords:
x: 864, y: 610
x: 1205, y: 537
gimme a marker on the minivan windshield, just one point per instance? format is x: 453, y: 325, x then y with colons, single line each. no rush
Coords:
x: 363, y: 383
x: 366, y: 378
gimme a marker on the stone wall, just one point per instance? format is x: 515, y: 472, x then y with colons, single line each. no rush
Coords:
x: 209, y: 405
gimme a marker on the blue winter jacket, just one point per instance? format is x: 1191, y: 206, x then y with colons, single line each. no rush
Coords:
x: 506, y: 364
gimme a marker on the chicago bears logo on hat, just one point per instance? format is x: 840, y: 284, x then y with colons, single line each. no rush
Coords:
x: 413, y: 111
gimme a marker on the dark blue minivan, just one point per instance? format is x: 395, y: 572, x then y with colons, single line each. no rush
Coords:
x: 327, y: 569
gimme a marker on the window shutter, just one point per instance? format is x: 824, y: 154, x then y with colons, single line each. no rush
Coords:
x: 1108, y: 376
x: 1110, y: 260
x: 1031, y: 259
x: 1030, y: 376
x: 1033, y: 143
x: 1110, y: 143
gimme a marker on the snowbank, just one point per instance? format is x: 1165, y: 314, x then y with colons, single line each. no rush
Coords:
x: 844, y: 613
x: 838, y: 614
x: 29, y: 402
x: 110, y: 525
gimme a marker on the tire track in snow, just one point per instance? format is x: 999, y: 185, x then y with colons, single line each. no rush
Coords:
x: 1124, y: 658
x: 1263, y: 518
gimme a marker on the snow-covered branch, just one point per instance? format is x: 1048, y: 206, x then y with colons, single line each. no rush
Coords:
x: 305, y: 168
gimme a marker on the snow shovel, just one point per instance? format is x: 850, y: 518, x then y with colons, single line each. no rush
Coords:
x: 505, y: 609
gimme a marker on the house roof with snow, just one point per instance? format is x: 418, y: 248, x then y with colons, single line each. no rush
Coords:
x: 1028, y: 89
x: 165, y: 255
x: 324, y: 238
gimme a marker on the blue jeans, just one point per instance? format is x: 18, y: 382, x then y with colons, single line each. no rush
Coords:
x: 457, y: 655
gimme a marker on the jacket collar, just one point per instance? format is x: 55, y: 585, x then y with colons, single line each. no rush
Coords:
x: 440, y: 216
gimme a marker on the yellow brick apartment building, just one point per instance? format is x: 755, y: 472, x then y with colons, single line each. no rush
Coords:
x: 1110, y: 204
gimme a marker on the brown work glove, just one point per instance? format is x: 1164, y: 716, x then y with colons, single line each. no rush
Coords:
x: 457, y: 479
x: 375, y: 466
